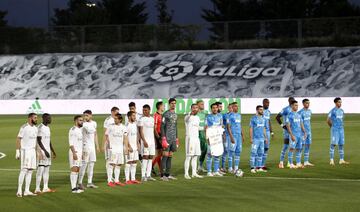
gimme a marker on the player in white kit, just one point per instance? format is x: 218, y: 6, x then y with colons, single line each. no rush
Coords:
x: 116, y: 136
x: 45, y: 153
x: 132, y: 107
x: 132, y: 153
x: 192, y: 142
x: 90, y: 143
x: 146, y: 127
x: 75, y: 152
x: 25, y: 150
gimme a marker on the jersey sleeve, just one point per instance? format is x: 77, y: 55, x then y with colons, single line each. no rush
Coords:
x: 72, y: 138
x: 251, y: 123
x: 287, y: 121
x: 21, y: 132
x: 40, y: 132
x: 107, y: 131
x: 140, y: 123
x: 330, y: 114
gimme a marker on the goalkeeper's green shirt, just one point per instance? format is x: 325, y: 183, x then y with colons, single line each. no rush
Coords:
x: 202, y: 115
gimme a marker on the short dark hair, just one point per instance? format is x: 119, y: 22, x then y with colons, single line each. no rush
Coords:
x: 172, y: 100
x: 337, y: 99
x: 305, y: 100
x: 146, y: 106
x: 45, y: 115
x: 213, y: 104
x: 259, y: 106
x: 31, y: 115
x: 265, y: 100
x: 113, y: 109
x: 77, y: 117
x: 119, y: 116
x: 158, y: 104
x: 291, y: 98
x: 233, y: 103
x: 130, y: 113
x: 87, y: 112
x: 293, y: 102
x: 199, y: 100
x: 192, y: 105
x: 132, y: 104
x: 218, y: 103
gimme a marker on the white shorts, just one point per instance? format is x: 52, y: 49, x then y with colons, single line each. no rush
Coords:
x: 150, y: 150
x: 89, y: 156
x: 45, y: 161
x: 116, y: 158
x: 192, y: 146
x: 28, y: 159
x: 133, y: 156
x: 75, y: 163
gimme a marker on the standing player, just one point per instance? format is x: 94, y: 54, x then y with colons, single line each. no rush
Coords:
x: 75, y: 152
x: 170, y: 141
x: 284, y: 113
x: 132, y: 154
x: 108, y: 121
x: 225, y: 155
x: 116, y: 136
x: 236, y: 135
x: 157, y: 132
x: 45, y: 152
x: 203, y: 143
x: 132, y: 107
x: 305, y: 114
x: 335, y: 121
x: 25, y: 150
x: 257, y: 136
x: 90, y: 142
x: 294, y: 126
x: 146, y: 128
x: 213, y: 120
x: 269, y: 132
x: 192, y: 142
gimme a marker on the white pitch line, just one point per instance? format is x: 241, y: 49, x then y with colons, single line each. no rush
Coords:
x: 266, y: 178
x: 2, y: 155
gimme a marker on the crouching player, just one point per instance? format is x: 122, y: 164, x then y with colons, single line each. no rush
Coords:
x: 257, y: 136
x: 192, y: 142
x: 132, y: 154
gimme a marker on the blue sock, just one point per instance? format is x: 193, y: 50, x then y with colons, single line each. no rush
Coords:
x: 208, y: 163
x: 290, y: 157
x: 216, y: 164
x: 341, y: 152
x: 264, y: 157
x: 332, y: 151
x: 237, y: 161
x: 223, y: 159
x: 259, y: 160
x: 298, y: 156
x: 230, y: 160
x: 306, y: 153
x: 283, y: 152
x: 252, y: 160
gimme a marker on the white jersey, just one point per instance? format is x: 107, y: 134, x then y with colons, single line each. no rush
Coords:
x: 138, y: 116
x: 76, y: 138
x: 109, y: 121
x: 132, y: 131
x: 192, y: 125
x: 44, y: 133
x: 28, y: 135
x: 116, y: 135
x: 147, y: 123
x: 89, y: 131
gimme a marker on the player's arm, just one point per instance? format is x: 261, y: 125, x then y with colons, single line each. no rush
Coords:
x: 251, y: 134
x: 328, y: 121
x: 18, y: 146
x: 271, y: 130
x: 52, y: 150
x: 97, y: 142
x: 72, y: 138
x: 278, y: 119
x: 163, y: 126
x: 232, y: 140
x: 141, y: 130
x: 127, y: 146
x: 303, y: 129
x: 266, y: 139
x: 105, y: 140
x: 290, y: 132
x: 40, y: 144
x: 242, y: 135
x: 157, y: 136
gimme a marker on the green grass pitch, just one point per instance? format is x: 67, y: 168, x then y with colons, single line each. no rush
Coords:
x: 320, y: 188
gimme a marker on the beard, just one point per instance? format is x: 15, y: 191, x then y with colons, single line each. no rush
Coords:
x: 80, y: 125
x: 33, y: 122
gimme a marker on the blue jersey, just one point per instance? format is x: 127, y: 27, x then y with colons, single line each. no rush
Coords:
x: 266, y: 116
x: 294, y: 119
x: 257, y: 123
x: 285, y: 112
x: 225, y: 119
x: 306, y: 119
x: 213, y: 120
x: 234, y: 119
x: 336, y: 116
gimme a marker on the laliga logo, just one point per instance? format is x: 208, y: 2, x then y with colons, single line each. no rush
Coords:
x: 179, y: 69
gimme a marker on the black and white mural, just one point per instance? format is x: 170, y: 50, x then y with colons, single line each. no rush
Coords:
x: 313, y: 72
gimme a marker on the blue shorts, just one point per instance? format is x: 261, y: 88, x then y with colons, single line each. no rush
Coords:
x: 297, y: 144
x: 268, y: 136
x: 337, y: 136
x: 237, y: 147
x: 307, y: 140
x: 257, y: 147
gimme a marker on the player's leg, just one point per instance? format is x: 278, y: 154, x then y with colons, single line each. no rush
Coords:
x: 341, y: 147
x: 133, y: 168
x: 39, y: 176
x: 46, y: 175
x: 30, y: 158
x: 149, y: 165
x: 266, y: 149
x: 298, y: 150
x: 209, y: 162
x: 292, y: 146
x: 225, y: 153
x: 238, y: 150
x: 334, y: 141
x: 144, y: 164
x: 307, y: 151
x: 232, y: 148
x: 217, y: 166
x: 283, y: 151
x: 90, y: 170
x: 82, y: 171
x: 188, y: 157
x: 203, y: 145
x: 117, y: 174
x: 173, y: 149
x: 164, y: 160
x: 260, y: 154
x: 253, y: 153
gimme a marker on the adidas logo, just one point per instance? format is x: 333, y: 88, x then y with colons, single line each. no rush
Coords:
x: 35, y: 108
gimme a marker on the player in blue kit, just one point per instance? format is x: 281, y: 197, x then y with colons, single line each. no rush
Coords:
x: 294, y: 126
x: 257, y: 136
x: 269, y: 132
x: 305, y: 114
x: 236, y: 135
x: 211, y: 120
x: 284, y: 113
x: 225, y: 155
x: 335, y: 121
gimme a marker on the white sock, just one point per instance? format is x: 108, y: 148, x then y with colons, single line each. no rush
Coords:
x: 187, y: 164
x: 46, y: 177
x: 90, y: 172
x: 194, y: 165
x: 133, y: 171
x: 143, y: 168
x: 117, y: 173
x: 21, y: 179
x: 28, y: 180
x: 149, y: 168
x: 39, y: 174
x: 127, y: 172
x: 73, y: 179
x: 110, y: 170
x: 82, y: 172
